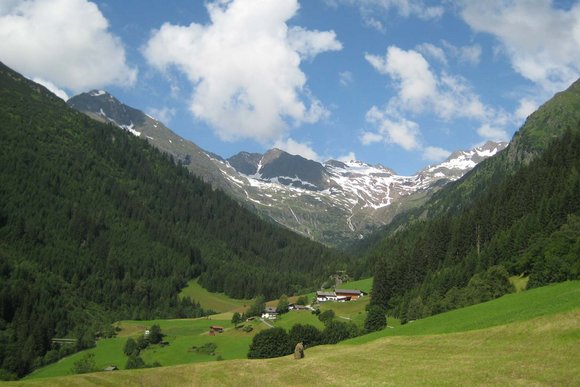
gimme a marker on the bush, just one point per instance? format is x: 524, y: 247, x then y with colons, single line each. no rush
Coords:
x: 206, y: 349
x: 272, y: 342
x: 135, y: 362
x: 326, y: 316
x: 85, y: 364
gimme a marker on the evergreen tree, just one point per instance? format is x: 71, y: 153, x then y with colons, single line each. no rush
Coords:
x: 236, y: 319
x: 376, y: 319
x: 283, y: 304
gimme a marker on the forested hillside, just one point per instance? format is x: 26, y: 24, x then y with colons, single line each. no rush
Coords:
x: 517, y: 213
x: 97, y: 225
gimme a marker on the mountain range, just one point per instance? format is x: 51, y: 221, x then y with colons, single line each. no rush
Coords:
x: 334, y: 202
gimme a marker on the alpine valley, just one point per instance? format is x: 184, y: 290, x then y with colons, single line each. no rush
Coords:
x: 333, y: 202
x: 107, y: 231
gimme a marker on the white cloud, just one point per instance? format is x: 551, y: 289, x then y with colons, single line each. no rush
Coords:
x: 311, y: 43
x: 164, y: 114
x: 245, y: 67
x: 525, y: 108
x: 350, y: 156
x: 345, y: 78
x: 53, y: 88
x: 419, y: 89
x: 489, y: 132
x: 371, y: 22
x: 541, y: 41
x: 399, y: 131
x: 411, y: 71
x: 65, y: 42
x: 368, y: 138
x: 432, y: 153
x: 297, y: 148
x: 405, y: 8
x: 432, y: 51
x: 372, y: 10
x: 466, y: 54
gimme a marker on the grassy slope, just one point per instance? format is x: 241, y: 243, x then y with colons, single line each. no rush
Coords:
x: 535, y: 331
x: 510, y: 308
x: 541, y: 351
x: 218, y: 302
x: 181, y: 334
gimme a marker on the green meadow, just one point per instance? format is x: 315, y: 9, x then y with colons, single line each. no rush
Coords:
x: 181, y: 335
x: 515, y: 307
x: 542, y: 350
x: 519, y: 329
x: 218, y: 302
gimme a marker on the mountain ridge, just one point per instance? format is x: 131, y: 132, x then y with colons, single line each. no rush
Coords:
x: 332, y: 202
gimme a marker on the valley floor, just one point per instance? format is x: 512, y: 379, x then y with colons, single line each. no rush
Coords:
x: 541, y: 351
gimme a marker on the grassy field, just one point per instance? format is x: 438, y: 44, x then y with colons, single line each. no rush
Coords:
x: 218, y: 302
x: 181, y: 335
x: 510, y: 308
x: 541, y: 351
x: 556, y: 306
x: 365, y: 285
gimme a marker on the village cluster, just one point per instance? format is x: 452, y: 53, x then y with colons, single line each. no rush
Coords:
x: 338, y: 295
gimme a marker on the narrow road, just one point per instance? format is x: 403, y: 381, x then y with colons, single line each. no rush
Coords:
x: 267, y: 323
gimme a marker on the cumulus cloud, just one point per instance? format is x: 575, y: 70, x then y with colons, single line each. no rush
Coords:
x: 525, y: 108
x: 541, y: 41
x: 350, y: 156
x: 399, y: 131
x: 311, y: 43
x: 420, y: 89
x: 432, y: 153
x: 432, y: 51
x: 52, y: 87
x: 470, y: 54
x: 489, y: 132
x: 297, y: 148
x: 244, y: 66
x: 64, y: 42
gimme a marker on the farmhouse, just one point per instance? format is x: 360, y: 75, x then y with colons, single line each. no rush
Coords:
x: 340, y: 295
x: 348, y: 294
x: 215, y: 329
x: 325, y: 296
x: 270, y: 313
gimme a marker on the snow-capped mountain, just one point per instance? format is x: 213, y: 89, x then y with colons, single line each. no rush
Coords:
x: 333, y: 202
x: 337, y: 201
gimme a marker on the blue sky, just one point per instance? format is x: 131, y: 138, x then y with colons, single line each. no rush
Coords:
x: 398, y: 82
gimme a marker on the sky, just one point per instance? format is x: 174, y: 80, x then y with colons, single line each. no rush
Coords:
x: 402, y: 83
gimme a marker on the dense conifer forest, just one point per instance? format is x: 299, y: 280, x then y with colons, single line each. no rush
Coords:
x: 461, y: 248
x: 96, y: 225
